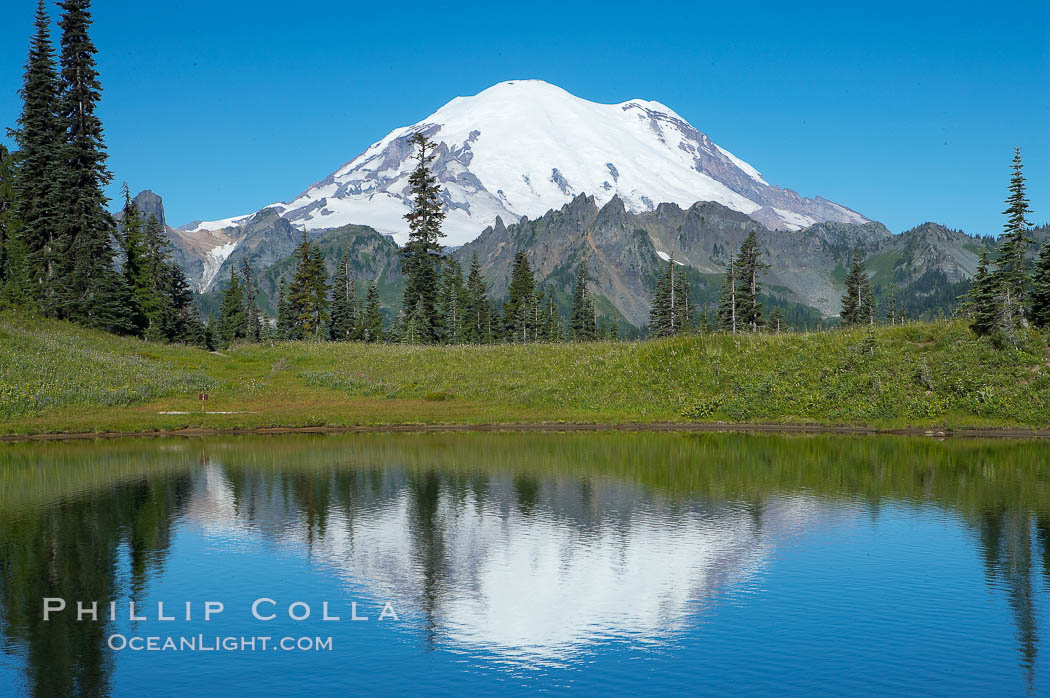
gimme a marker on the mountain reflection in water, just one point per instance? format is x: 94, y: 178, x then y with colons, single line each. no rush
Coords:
x: 530, y: 550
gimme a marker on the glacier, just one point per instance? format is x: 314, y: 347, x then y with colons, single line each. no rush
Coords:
x: 524, y: 147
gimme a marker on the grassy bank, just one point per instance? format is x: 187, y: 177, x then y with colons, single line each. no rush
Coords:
x: 55, y: 377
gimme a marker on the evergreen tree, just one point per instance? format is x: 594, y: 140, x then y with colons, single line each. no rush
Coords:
x: 413, y: 326
x: 39, y: 137
x: 210, y: 341
x: 156, y: 247
x: 285, y: 319
x: 982, y: 298
x: 180, y: 321
x: 420, y: 256
x: 519, y: 312
x: 538, y: 315
x: 162, y: 291
x: 672, y: 311
x: 308, y: 294
x: 706, y: 323
x: 91, y: 291
x: 661, y: 315
x: 867, y: 295
x: 8, y: 220
x: 748, y: 269
x: 495, y: 323
x: 232, y: 323
x: 727, y: 300
x: 252, y: 320
x: 345, y: 322
x: 684, y: 308
x: 551, y: 321
x: 776, y: 319
x: 1010, y: 275
x: 858, y: 305
x: 582, y: 322
x: 478, y: 325
x: 396, y: 331
x: 1040, y: 296
x: 135, y: 273
x: 372, y: 324
x: 451, y: 306
x: 891, y: 310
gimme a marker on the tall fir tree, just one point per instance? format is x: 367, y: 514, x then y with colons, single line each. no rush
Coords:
x: 583, y: 325
x: 232, y: 324
x: 162, y: 290
x: 308, y: 294
x: 891, y: 307
x: 661, y: 314
x: 982, y: 298
x: 478, y: 326
x: 156, y: 246
x: 136, y: 271
x: 451, y: 306
x: 345, y: 322
x: 776, y: 320
x: 372, y: 322
x: 749, y: 268
x: 164, y: 303
x: 40, y: 140
x: 858, y: 301
x: 672, y: 310
x: 538, y: 316
x: 422, y: 253
x: 413, y: 326
x: 252, y: 318
x: 1010, y: 274
x: 684, y: 307
x: 178, y: 320
x: 519, y: 312
x: 551, y: 324
x: 727, y: 300
x: 396, y: 331
x: 91, y: 291
x: 1040, y: 296
x: 9, y: 226
x: 867, y: 295
x: 285, y: 320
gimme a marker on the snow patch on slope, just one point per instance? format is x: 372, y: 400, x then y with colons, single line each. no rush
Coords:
x: 666, y: 257
x: 213, y: 261
x: 795, y: 221
x: 218, y: 225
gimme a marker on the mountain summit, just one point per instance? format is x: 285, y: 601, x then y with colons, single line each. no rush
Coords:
x: 524, y: 147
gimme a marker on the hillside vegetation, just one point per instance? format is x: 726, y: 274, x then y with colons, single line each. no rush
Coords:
x: 58, y: 377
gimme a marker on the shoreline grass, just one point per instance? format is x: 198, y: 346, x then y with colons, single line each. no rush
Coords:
x: 58, y: 378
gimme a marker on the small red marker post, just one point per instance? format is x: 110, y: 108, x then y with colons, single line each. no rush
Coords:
x: 204, y: 399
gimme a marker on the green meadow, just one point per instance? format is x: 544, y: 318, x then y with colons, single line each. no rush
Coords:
x: 58, y: 378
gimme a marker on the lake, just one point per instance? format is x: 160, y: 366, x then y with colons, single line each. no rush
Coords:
x: 481, y: 563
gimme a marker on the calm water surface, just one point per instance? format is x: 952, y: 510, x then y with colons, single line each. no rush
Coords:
x: 592, y: 563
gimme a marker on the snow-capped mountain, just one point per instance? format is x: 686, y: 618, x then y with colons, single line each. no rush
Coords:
x: 522, y: 148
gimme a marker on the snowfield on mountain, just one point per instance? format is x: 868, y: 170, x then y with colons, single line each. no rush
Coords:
x: 524, y: 147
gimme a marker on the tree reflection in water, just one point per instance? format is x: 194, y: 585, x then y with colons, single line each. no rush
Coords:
x: 424, y: 514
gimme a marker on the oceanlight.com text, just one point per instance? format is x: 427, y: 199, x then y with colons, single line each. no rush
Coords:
x: 217, y: 643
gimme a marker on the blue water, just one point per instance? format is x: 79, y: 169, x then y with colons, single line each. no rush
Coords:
x: 543, y: 564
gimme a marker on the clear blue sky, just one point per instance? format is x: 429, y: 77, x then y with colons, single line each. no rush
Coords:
x: 904, y: 111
